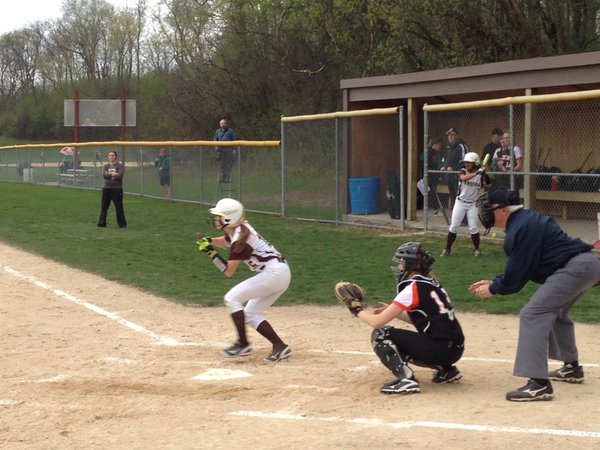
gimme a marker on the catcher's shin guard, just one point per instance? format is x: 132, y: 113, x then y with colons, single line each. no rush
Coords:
x: 388, y: 353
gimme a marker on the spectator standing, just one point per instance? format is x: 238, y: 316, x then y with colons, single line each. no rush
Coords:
x: 435, y: 157
x: 163, y: 167
x: 503, y: 162
x: 113, y: 173
x: 453, y: 157
x: 492, y: 146
x: 224, y: 154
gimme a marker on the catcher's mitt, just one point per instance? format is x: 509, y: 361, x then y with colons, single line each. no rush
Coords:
x: 351, y: 295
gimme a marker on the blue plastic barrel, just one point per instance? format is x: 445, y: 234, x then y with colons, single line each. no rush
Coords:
x: 364, y: 195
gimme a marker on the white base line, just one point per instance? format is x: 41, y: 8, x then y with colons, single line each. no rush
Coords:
x: 464, y: 358
x: 165, y: 340
x: 413, y: 424
x: 162, y: 340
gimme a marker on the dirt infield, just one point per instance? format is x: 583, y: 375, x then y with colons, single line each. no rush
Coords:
x: 87, y: 363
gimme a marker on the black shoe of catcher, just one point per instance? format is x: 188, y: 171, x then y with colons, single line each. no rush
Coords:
x: 532, y: 391
x: 568, y: 373
x: 401, y: 386
x: 446, y: 376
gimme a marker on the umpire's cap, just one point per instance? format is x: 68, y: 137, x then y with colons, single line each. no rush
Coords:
x: 504, y: 197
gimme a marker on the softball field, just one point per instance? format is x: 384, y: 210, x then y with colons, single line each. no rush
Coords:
x: 87, y: 363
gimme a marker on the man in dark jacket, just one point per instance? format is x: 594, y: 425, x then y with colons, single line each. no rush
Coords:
x: 566, y: 268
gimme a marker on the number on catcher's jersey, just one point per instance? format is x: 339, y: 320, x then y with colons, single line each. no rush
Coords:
x: 445, y: 307
x: 429, y: 307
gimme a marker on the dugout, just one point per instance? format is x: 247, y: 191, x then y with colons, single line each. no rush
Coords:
x: 373, y: 144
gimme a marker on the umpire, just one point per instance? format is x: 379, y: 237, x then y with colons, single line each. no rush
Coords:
x: 566, y: 268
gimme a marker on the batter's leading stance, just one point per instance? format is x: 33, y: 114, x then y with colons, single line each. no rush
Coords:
x: 248, y: 300
x: 421, y: 301
x: 471, y: 179
x: 566, y: 268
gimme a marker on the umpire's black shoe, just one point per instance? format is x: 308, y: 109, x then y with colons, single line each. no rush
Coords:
x: 401, y: 386
x: 568, y: 373
x: 446, y: 376
x: 532, y: 391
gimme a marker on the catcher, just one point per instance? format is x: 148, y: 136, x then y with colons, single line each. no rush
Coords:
x: 421, y: 301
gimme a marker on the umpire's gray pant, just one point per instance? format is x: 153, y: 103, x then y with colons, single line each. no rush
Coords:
x: 545, y: 329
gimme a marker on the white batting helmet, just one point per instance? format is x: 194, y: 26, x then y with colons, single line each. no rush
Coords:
x: 230, y: 210
x: 471, y: 157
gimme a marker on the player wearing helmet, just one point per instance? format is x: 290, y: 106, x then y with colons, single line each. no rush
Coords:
x: 421, y: 301
x: 471, y: 179
x: 248, y: 300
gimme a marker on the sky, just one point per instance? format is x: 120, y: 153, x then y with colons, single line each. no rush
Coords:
x: 24, y: 12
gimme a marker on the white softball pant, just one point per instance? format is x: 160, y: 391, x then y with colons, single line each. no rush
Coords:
x: 458, y: 214
x: 257, y: 293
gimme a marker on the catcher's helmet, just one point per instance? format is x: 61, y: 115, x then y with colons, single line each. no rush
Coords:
x: 411, y: 257
x: 230, y: 210
x: 471, y: 157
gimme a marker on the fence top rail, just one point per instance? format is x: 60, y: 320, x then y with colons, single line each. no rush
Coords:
x: 150, y: 144
x: 545, y: 98
x: 339, y: 114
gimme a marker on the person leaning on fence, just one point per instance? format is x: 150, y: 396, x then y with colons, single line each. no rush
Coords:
x: 434, y: 162
x: 503, y: 162
x: 113, y: 173
x: 224, y: 154
x: 539, y: 250
x: 163, y: 167
x: 492, y: 146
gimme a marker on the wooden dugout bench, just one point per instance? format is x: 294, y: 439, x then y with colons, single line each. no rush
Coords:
x: 568, y: 198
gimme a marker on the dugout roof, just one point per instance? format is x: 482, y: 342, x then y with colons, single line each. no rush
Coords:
x: 373, y: 145
x: 564, y: 73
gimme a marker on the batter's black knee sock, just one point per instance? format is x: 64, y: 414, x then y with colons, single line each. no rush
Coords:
x: 269, y: 333
x: 476, y: 239
x: 239, y: 320
x: 450, y: 240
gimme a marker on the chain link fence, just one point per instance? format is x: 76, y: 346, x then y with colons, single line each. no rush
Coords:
x: 550, y: 157
x: 555, y: 137
x: 195, y: 169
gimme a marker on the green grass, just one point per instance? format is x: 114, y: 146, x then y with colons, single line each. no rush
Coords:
x: 157, y: 252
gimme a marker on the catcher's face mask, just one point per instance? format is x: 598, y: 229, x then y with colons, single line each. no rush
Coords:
x: 486, y: 212
x: 501, y: 197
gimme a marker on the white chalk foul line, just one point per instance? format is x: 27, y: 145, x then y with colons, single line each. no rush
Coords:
x: 162, y: 340
x: 418, y: 424
x: 464, y: 358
